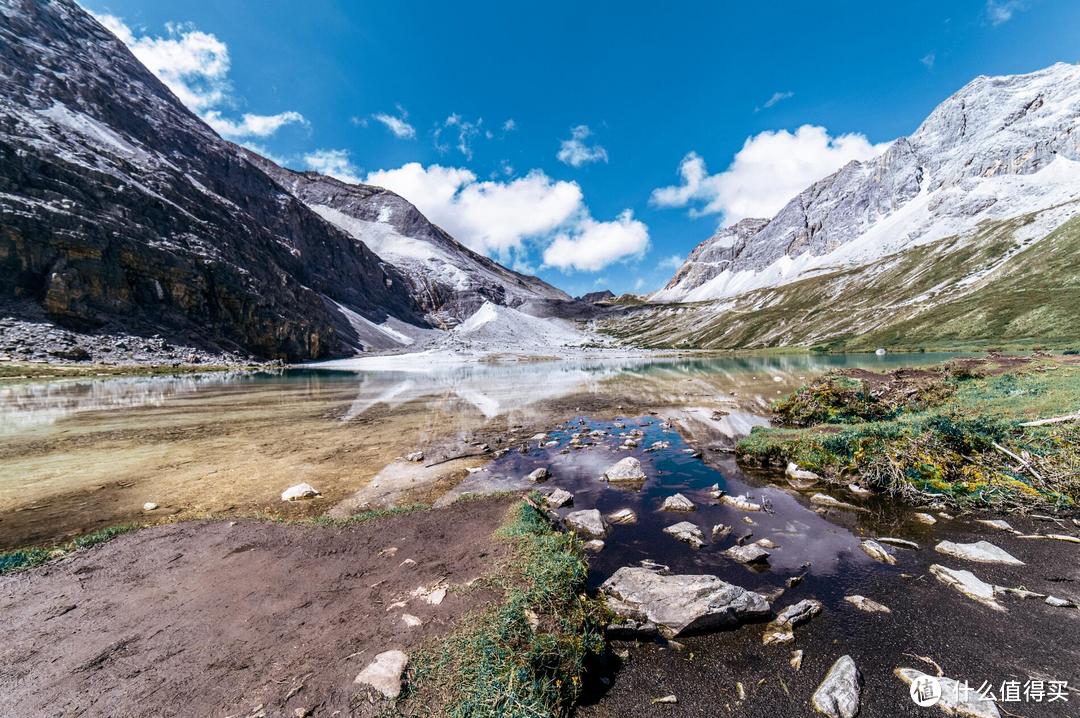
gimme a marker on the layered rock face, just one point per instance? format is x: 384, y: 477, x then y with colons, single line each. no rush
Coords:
x: 120, y: 210
x: 1001, y: 147
x: 448, y: 280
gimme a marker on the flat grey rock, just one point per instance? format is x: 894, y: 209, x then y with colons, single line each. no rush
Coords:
x: 622, y: 516
x: 782, y: 628
x: 678, y: 502
x: 747, y: 554
x: 838, y: 695
x: 384, y: 673
x: 876, y: 551
x: 587, y: 522
x: 865, y: 604
x: 680, y: 604
x: 954, y: 699
x: 968, y: 584
x: 625, y: 470
x: 981, y: 551
x: 559, y: 498
x: 537, y: 475
x: 687, y: 532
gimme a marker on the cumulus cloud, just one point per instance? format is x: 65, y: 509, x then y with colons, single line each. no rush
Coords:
x: 498, y: 217
x: 195, y: 66
x: 770, y: 169
x: 577, y: 152
x: 334, y: 163
x: 590, y: 245
x: 1001, y: 11
x: 398, y: 126
x: 776, y: 97
x: 251, y: 125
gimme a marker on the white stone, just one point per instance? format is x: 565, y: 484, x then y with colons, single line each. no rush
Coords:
x: 149, y: 506
x: 688, y: 532
x: 796, y: 659
x: 968, y: 584
x: 782, y: 628
x: 904, y: 543
x: 794, y: 472
x: 877, y: 552
x: 955, y: 700
x: 628, y: 469
x: 996, y: 524
x: 680, y: 604
x: 924, y: 518
x: 559, y: 498
x: 594, y: 545
x: 829, y: 502
x: 1059, y: 602
x: 410, y: 620
x: 838, y: 695
x: 298, y: 492
x: 540, y: 474
x: 865, y: 604
x: 622, y: 516
x: 384, y: 673
x: 720, y: 531
x: 415, y: 456
x: 767, y: 543
x: 678, y: 502
x: 982, y: 551
x: 747, y: 554
x: 741, y: 502
x: 587, y: 523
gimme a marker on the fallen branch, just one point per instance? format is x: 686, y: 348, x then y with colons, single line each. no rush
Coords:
x: 1023, y: 462
x: 1054, y: 420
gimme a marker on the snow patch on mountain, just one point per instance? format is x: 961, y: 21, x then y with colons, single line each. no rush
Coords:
x: 505, y: 329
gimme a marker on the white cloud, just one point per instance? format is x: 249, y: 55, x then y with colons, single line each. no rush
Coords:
x: 399, y: 126
x: 592, y: 245
x: 575, y: 152
x: 497, y: 218
x: 770, y: 169
x: 334, y: 163
x: 509, y: 125
x: 195, y: 66
x: 251, y: 125
x: 1001, y: 11
x: 776, y: 97
x: 929, y: 59
x: 466, y: 130
x: 673, y: 262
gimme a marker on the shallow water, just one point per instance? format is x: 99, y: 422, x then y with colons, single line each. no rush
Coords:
x: 79, y: 454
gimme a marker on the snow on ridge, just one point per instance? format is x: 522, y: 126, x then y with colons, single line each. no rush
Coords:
x: 500, y: 328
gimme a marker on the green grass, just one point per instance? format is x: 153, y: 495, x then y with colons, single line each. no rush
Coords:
x: 525, y: 656
x: 951, y: 450
x: 25, y: 558
x: 364, y: 516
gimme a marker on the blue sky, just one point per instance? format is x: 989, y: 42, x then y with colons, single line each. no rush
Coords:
x: 540, y: 133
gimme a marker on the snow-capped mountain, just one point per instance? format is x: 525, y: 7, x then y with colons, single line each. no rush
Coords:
x: 447, y: 279
x: 1001, y: 147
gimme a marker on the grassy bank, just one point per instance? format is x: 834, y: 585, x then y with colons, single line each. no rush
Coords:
x: 954, y: 433
x: 524, y: 656
x: 29, y: 557
x: 41, y: 370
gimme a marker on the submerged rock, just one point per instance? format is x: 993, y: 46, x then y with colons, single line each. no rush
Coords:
x: 955, y: 699
x: 877, y: 552
x: 838, y: 695
x: 968, y: 584
x: 680, y: 604
x: 831, y: 503
x: 588, y: 523
x: 982, y: 551
x: 782, y: 628
x: 688, y: 532
x: 865, y: 604
x: 298, y: 492
x: 741, y: 502
x: 622, y: 516
x: 559, y: 498
x: 384, y: 673
x: 628, y: 470
x: 678, y: 502
x: 747, y: 554
x: 794, y: 472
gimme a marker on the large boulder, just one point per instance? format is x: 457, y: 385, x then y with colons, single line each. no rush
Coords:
x: 681, y: 604
x: 626, y: 470
x: 838, y: 695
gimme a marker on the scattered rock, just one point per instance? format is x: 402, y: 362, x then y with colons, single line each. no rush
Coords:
x: 997, y: 524
x: 687, y: 532
x: 559, y: 498
x: 865, y: 604
x: 767, y: 543
x: 666, y: 699
x: 955, y: 699
x: 831, y: 503
x: 924, y: 518
x: 982, y: 551
x: 622, y: 516
x: 877, y: 552
x: 720, y: 531
x: 410, y: 620
x: 1059, y: 602
x: 796, y: 659
x: 1020, y: 592
x: 794, y: 472
x: 741, y: 502
x: 680, y: 604
x: 149, y: 506
x: 782, y: 628
x: 904, y: 543
x: 537, y: 475
x: 298, y: 492
x: 747, y: 554
x: 587, y: 523
x: 968, y: 584
x: 628, y: 470
x: 415, y: 456
x: 859, y: 490
x: 678, y: 502
x: 1055, y: 537
x: 838, y: 695
x: 384, y: 673
x: 594, y: 545
x: 629, y: 629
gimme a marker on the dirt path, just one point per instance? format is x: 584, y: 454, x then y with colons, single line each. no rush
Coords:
x: 219, y: 618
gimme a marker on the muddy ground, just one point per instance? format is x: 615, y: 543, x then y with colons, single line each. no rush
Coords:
x: 220, y: 618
